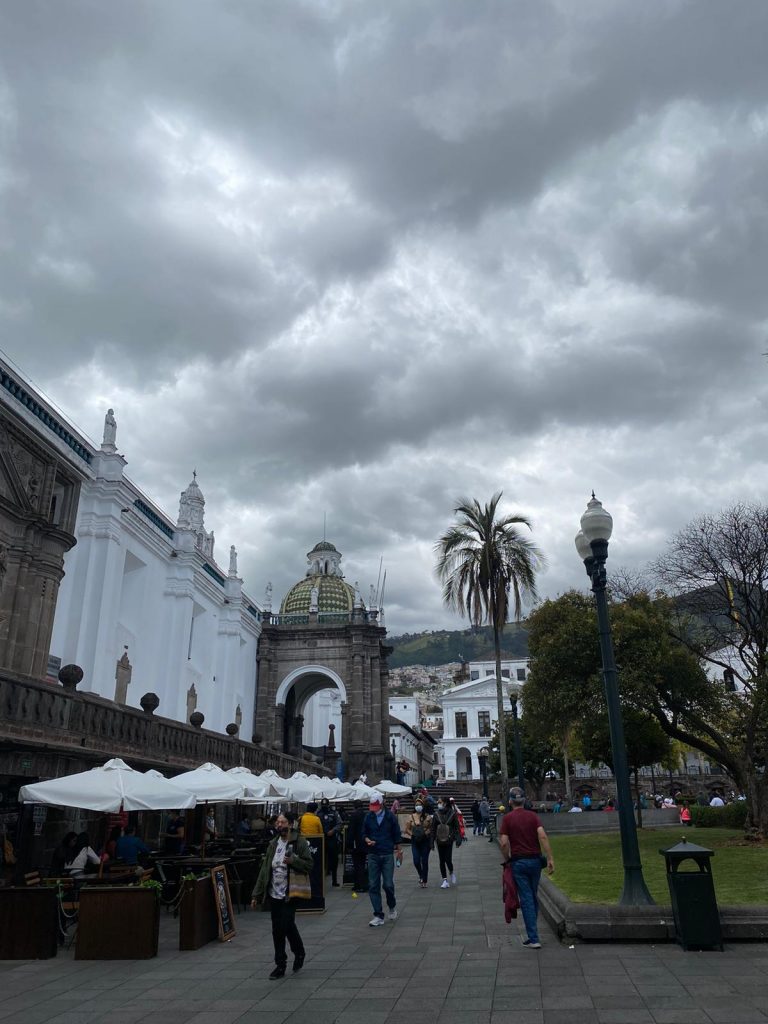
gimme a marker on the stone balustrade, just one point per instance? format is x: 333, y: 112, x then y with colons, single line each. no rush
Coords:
x: 42, y: 723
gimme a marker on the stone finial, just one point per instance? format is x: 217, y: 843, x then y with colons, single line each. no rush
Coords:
x: 233, y: 729
x: 331, y: 737
x: 196, y: 719
x: 257, y: 738
x: 108, y: 443
x: 123, y: 672
x: 191, y: 700
x: 70, y: 676
x: 150, y: 702
x: 232, y: 560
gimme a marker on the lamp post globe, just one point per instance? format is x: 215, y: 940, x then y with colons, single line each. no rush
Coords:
x: 592, y: 546
x: 482, y: 758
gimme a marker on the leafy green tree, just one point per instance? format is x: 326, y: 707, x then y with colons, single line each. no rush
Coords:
x: 564, y: 679
x: 646, y: 743
x: 659, y: 646
x: 487, y: 567
x: 540, y: 754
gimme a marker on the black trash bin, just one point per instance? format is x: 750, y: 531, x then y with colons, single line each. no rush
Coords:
x: 697, y: 919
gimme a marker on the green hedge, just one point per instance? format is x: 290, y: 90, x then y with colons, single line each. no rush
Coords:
x: 731, y: 816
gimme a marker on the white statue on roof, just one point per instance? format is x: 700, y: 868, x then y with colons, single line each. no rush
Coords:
x: 110, y: 431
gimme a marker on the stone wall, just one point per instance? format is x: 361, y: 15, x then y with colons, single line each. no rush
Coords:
x: 43, y: 726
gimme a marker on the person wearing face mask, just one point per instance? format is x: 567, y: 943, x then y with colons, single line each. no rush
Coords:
x: 381, y: 835
x: 445, y: 832
x: 418, y: 829
x: 287, y: 854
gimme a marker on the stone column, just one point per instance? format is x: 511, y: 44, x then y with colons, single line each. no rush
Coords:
x: 298, y: 729
x: 278, y: 729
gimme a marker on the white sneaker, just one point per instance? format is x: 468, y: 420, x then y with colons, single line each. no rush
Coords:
x: 393, y: 914
x: 445, y: 884
x: 376, y: 922
x: 453, y: 879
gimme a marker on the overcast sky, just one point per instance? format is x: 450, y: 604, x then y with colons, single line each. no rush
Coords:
x: 363, y: 258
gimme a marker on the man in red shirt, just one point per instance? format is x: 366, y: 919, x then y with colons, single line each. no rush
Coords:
x: 522, y: 839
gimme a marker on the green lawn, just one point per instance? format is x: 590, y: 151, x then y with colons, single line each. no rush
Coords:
x: 588, y: 868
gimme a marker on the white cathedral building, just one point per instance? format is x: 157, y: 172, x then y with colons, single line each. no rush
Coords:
x: 145, y: 607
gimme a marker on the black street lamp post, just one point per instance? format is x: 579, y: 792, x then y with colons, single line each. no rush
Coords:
x: 592, y: 545
x: 482, y: 760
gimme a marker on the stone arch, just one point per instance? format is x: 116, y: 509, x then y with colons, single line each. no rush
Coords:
x: 310, y: 670
x: 292, y: 696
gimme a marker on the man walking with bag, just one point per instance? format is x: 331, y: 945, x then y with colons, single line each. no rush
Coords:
x: 381, y: 834
x: 284, y: 879
x: 522, y: 838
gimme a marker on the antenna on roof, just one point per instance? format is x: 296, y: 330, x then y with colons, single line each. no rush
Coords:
x: 324, y: 518
x: 383, y: 585
x: 378, y: 581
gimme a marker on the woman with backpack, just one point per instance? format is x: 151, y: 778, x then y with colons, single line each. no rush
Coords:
x: 445, y: 832
x: 418, y: 829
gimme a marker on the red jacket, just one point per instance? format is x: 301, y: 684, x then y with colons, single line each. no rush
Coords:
x: 509, y: 893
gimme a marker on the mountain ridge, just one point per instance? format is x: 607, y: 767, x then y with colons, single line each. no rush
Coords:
x: 442, y: 646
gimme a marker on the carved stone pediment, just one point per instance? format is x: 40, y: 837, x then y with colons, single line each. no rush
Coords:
x: 12, y: 486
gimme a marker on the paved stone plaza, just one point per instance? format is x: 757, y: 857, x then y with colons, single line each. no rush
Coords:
x: 449, y: 958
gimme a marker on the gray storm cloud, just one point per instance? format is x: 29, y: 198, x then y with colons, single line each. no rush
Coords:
x: 357, y: 260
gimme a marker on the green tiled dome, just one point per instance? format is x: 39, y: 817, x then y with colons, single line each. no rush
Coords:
x: 334, y: 595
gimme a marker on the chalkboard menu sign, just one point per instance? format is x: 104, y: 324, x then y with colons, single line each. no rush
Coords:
x: 223, y: 903
x: 316, y: 878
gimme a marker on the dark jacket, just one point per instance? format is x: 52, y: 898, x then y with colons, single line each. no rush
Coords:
x: 386, y: 836
x: 301, y: 864
x: 355, y: 829
x: 331, y: 822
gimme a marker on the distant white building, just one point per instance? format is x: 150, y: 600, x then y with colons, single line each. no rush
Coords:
x: 470, y: 714
x: 141, y: 587
x: 406, y: 709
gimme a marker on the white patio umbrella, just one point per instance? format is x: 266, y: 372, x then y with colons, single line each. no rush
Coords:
x: 112, y: 787
x: 344, y: 791
x: 325, y: 787
x: 210, y: 784
x: 255, y: 789
x: 361, y: 792
x: 275, y: 781
x: 301, y: 788
x: 392, y: 788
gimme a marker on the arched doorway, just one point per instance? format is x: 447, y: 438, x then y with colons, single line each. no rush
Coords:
x: 293, y: 696
x: 463, y: 763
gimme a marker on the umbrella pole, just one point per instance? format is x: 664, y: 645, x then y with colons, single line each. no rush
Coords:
x: 205, y: 821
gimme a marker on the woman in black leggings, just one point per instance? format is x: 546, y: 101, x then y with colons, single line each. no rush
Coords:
x: 445, y: 831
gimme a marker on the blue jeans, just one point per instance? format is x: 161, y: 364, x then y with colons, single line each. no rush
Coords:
x: 381, y: 871
x: 420, y: 853
x: 527, y: 872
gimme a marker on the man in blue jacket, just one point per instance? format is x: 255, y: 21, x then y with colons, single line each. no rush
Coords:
x: 381, y: 835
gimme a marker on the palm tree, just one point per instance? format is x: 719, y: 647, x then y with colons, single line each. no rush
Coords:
x: 486, y: 568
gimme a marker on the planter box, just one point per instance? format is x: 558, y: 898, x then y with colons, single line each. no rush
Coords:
x: 117, y: 923
x: 198, y: 922
x: 29, y: 923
